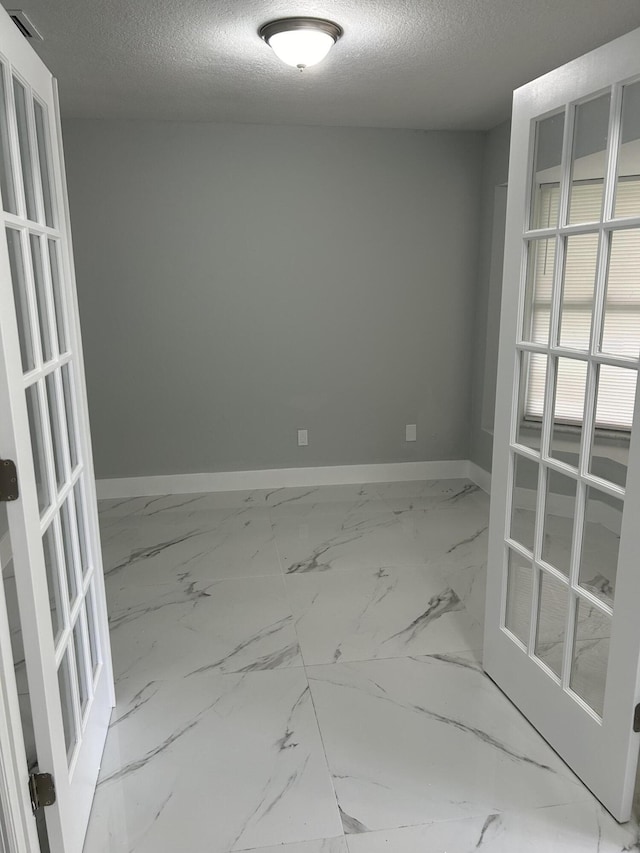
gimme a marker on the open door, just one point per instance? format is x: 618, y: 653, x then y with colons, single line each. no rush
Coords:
x: 563, y: 599
x: 44, y: 430
x: 17, y: 825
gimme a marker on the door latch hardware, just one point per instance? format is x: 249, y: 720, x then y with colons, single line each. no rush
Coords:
x: 636, y: 719
x: 41, y: 790
x: 8, y: 480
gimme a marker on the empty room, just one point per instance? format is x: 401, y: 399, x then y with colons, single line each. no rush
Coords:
x: 319, y: 427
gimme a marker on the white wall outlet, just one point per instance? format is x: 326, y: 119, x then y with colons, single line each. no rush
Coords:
x: 303, y: 437
x: 410, y: 432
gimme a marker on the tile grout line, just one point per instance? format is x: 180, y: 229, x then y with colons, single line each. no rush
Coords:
x: 326, y: 757
x: 379, y: 504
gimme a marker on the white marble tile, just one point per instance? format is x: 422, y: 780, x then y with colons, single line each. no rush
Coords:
x: 421, y: 495
x: 155, y: 504
x: 212, y: 764
x: 361, y: 614
x: 410, y: 741
x: 447, y: 526
x: 118, y: 507
x: 227, y: 625
x: 208, y: 545
x: 215, y: 746
x: 323, y: 845
x: 463, y: 567
x: 334, y: 500
x: 277, y: 499
x: 117, y: 542
x: 322, y: 541
x: 573, y: 828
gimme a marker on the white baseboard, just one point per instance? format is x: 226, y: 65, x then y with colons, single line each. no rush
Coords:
x: 276, y: 478
x: 480, y: 477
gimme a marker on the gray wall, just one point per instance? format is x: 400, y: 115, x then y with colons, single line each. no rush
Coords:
x: 237, y: 282
x: 488, y: 293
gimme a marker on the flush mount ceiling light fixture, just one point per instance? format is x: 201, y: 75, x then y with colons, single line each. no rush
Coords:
x: 300, y: 42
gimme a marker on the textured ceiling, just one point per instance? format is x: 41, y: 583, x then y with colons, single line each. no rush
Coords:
x: 430, y: 64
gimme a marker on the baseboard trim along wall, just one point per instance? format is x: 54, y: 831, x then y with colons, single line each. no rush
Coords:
x: 480, y: 477
x: 276, y: 478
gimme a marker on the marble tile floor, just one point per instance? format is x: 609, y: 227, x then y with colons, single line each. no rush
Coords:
x: 298, y: 671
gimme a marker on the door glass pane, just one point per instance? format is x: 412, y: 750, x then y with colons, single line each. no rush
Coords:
x: 578, y: 283
x: 65, y: 686
x: 7, y: 185
x: 568, y: 410
x: 68, y: 406
x: 56, y: 430
x: 82, y: 529
x: 552, y: 617
x: 590, y: 655
x: 37, y: 446
x: 615, y: 404
x: 18, y: 281
x: 537, y: 309
x: 56, y: 281
x: 41, y: 298
x: 533, y: 377
x: 546, y: 172
x: 610, y: 456
x: 621, y: 324
x: 94, y: 640
x: 600, y: 543
x: 67, y: 521
x: 523, y: 510
x: 81, y: 665
x: 589, y: 160
x: 20, y: 96
x: 616, y: 397
x: 53, y: 581
x: 43, y: 158
x: 519, y: 585
x: 560, y: 503
x: 628, y: 187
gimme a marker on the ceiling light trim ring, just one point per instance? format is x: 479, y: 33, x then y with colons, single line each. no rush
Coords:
x: 283, y: 25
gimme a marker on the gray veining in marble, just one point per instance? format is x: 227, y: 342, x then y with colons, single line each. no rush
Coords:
x: 298, y: 671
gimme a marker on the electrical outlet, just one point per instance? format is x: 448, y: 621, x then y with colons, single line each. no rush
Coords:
x: 303, y: 438
x: 410, y: 432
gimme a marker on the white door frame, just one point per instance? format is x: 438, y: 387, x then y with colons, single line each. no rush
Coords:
x: 604, y: 754
x: 17, y: 824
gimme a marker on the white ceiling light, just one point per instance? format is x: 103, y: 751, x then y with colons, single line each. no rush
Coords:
x: 300, y: 42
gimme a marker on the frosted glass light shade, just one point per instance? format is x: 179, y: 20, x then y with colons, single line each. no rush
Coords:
x: 301, y: 42
x: 301, y: 48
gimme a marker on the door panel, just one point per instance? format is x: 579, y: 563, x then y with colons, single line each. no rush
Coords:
x: 53, y: 525
x: 17, y: 825
x: 562, y: 636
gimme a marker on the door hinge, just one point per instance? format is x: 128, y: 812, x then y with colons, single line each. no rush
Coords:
x: 8, y: 480
x: 42, y: 790
x: 636, y: 719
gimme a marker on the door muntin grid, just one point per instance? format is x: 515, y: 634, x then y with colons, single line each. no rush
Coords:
x: 563, y: 617
x: 30, y: 214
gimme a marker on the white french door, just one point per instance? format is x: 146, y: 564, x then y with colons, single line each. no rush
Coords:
x: 562, y: 635
x: 17, y: 825
x: 44, y: 430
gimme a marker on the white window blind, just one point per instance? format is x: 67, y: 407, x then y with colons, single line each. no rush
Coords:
x: 621, y: 326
